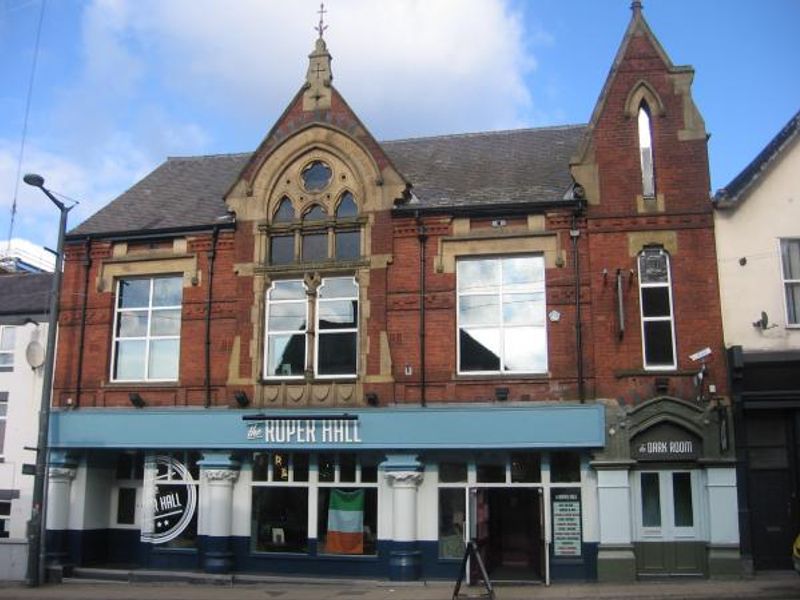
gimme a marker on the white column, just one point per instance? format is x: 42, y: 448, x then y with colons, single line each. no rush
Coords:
x: 220, y: 496
x: 404, y: 500
x: 723, y: 505
x: 614, y: 506
x: 59, y: 482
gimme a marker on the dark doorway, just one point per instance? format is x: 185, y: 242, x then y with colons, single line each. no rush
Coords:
x: 512, y: 544
x: 772, y: 486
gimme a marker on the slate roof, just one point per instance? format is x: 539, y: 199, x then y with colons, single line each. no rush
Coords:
x: 25, y: 293
x: 446, y: 172
x: 736, y: 190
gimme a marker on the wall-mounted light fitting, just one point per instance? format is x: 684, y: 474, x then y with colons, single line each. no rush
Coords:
x: 372, y: 398
x: 136, y: 399
x: 241, y: 399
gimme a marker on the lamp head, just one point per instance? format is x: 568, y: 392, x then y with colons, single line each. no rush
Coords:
x: 34, y: 179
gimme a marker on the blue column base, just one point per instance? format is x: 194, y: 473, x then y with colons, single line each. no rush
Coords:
x: 405, y: 562
x: 217, y: 557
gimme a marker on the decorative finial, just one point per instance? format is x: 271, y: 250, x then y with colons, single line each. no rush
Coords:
x: 321, y: 27
x: 636, y: 6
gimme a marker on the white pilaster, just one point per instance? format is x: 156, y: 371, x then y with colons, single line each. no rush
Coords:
x: 59, y: 482
x: 614, y: 506
x: 220, y: 495
x: 404, y: 500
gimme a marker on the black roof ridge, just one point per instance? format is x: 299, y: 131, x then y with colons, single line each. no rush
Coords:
x: 485, y: 133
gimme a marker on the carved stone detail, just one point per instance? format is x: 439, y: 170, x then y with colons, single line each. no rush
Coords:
x: 62, y: 473
x: 222, y: 475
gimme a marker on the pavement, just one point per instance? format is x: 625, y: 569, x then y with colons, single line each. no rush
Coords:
x: 772, y: 586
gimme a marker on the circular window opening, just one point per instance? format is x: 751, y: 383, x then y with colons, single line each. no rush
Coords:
x: 316, y: 176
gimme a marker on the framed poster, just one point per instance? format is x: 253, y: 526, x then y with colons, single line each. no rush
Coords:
x: 566, y: 511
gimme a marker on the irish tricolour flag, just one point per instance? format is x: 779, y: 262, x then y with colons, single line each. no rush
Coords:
x: 345, y: 522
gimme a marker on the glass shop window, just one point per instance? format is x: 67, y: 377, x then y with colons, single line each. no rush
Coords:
x: 565, y: 467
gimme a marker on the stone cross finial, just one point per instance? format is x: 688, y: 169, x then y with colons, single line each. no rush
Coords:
x: 636, y: 6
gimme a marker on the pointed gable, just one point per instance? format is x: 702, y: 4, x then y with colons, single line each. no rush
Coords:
x: 607, y: 163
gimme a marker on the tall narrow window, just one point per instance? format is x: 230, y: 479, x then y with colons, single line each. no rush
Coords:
x: 655, y: 301
x: 147, y: 329
x: 315, y: 242
x: 646, y: 152
x: 337, y: 327
x: 348, y: 241
x: 790, y: 262
x: 287, y: 323
x: 7, y: 336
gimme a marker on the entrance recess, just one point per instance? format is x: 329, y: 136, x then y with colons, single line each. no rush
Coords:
x: 507, y: 525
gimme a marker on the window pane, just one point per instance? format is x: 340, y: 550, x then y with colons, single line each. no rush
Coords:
x: 288, y: 290
x: 281, y: 249
x: 347, y: 207
x: 327, y: 467
x: 369, y: 471
x: 315, y: 246
x: 188, y: 537
x: 337, y: 354
x: 129, y: 362
x: 300, y: 467
x: 348, y: 245
x: 491, y: 472
x: 132, y: 324
x: 126, y: 506
x: 347, y: 520
x: 280, y: 467
x: 134, y: 293
x: 260, y: 466
x: 478, y: 275
x: 285, y: 212
x: 790, y: 257
x: 280, y: 519
x: 286, y: 355
x: 167, y: 291
x: 347, y: 467
x: 316, y: 175
x: 655, y: 301
x: 7, y: 335
x: 526, y: 467
x: 651, y: 500
x: 338, y: 287
x: 452, y: 472
x: 6, y: 359
x: 525, y: 349
x: 165, y: 322
x: 480, y: 349
x: 339, y: 314
x: 565, y: 467
x: 317, y: 213
x: 479, y: 310
x: 522, y: 273
x: 793, y: 303
x: 163, y: 359
x: 658, y: 343
x: 2, y: 435
x: 288, y: 316
x: 5, y: 509
x: 682, y: 499
x: 653, y: 266
x: 523, y: 309
x: 452, y: 515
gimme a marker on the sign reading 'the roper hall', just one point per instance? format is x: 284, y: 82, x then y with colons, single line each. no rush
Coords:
x: 666, y: 442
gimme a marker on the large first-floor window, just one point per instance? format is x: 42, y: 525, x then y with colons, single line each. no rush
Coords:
x: 328, y: 497
x: 655, y: 302
x: 147, y: 329
x: 501, y: 315
x: 790, y: 266
x: 330, y: 348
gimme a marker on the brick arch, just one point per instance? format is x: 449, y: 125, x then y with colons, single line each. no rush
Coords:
x: 643, y: 92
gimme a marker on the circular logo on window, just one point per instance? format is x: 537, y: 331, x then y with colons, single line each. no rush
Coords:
x: 173, y: 497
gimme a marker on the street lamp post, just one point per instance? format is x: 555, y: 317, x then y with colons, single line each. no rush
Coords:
x: 38, y: 523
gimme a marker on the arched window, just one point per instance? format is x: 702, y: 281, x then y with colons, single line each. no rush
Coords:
x: 315, y: 241
x: 347, y: 207
x: 285, y: 212
x: 348, y: 240
x: 655, y: 303
x: 646, y: 151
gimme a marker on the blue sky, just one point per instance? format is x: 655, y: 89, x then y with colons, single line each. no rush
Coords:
x: 122, y: 84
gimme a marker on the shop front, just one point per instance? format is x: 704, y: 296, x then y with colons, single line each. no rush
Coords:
x: 387, y: 493
x: 667, y: 492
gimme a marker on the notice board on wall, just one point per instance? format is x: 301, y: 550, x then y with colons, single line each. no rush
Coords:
x: 566, y: 511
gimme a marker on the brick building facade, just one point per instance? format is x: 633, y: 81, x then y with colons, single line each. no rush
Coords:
x: 482, y: 336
